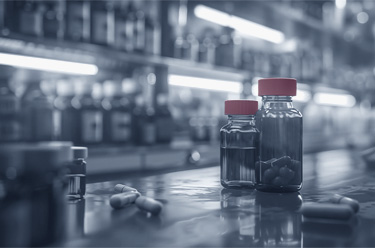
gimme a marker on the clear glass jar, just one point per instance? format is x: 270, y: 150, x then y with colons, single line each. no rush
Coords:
x: 280, y: 126
x: 239, y: 145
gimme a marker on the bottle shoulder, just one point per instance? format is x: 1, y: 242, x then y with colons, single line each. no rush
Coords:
x: 277, y: 112
x: 233, y: 127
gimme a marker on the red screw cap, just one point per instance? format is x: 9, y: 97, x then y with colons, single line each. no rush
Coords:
x: 277, y: 87
x: 241, y: 107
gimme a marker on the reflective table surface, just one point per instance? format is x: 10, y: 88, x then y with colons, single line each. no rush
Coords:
x: 199, y: 212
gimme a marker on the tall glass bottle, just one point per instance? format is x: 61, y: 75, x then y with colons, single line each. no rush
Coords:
x: 9, y: 112
x: 280, y: 126
x: 239, y: 144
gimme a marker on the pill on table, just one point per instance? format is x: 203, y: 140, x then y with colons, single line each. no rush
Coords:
x: 149, y: 205
x: 339, y: 199
x: 327, y: 210
x: 121, y: 188
x: 124, y: 199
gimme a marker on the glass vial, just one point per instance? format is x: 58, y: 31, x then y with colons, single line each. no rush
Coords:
x: 280, y: 126
x: 239, y: 144
x: 77, y: 173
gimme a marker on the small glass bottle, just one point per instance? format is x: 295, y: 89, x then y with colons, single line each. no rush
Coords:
x: 239, y: 144
x: 280, y: 126
x: 77, y: 173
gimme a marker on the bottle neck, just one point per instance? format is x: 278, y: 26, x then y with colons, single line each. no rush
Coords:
x: 242, y: 119
x: 277, y: 102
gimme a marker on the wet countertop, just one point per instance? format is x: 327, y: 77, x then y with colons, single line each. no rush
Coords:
x: 199, y: 212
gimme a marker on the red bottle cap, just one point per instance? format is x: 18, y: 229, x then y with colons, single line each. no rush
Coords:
x: 277, y: 87
x: 241, y: 107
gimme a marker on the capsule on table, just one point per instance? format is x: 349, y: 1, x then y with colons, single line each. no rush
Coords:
x: 122, y: 200
x: 149, y: 205
x: 339, y: 199
x: 327, y: 211
x: 122, y: 188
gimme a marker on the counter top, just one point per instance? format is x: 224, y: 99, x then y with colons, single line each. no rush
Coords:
x: 199, y: 212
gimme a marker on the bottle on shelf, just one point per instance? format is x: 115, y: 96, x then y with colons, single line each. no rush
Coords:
x: 117, y: 113
x: 207, y: 50
x: 139, y: 30
x: 53, y: 18
x: 143, y: 123
x: 124, y: 28
x: 9, y: 114
x: 31, y: 18
x: 152, y: 36
x: 78, y: 20
x: 68, y: 114
x: 102, y: 23
x: 229, y: 49
x: 164, y: 120
x: 37, y: 114
x: 89, y: 113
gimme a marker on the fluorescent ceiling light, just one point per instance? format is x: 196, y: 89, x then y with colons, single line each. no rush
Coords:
x: 302, y: 95
x: 47, y: 64
x: 205, y: 83
x: 340, y: 4
x: 243, y: 26
x: 331, y: 99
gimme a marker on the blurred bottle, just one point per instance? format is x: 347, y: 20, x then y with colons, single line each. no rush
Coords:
x: 139, y: 30
x: 207, y: 50
x: 31, y: 18
x: 37, y: 114
x: 248, y: 62
x: 199, y: 127
x: 229, y: 49
x: 152, y: 36
x: 9, y: 17
x: 275, y: 66
x: 68, y: 114
x: 143, y: 123
x: 90, y: 116
x: 117, y: 115
x: 53, y: 19
x: 102, y: 22
x: 78, y: 20
x: 164, y: 120
x: 9, y: 111
x: 124, y: 27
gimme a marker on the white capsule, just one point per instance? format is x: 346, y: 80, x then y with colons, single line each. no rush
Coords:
x: 124, y: 199
x: 327, y: 210
x: 149, y: 205
x: 122, y: 188
x: 339, y: 199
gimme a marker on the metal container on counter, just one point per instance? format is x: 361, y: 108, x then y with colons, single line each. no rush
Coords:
x: 280, y: 126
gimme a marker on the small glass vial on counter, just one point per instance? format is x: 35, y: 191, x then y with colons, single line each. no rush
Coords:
x: 239, y: 144
x: 77, y: 173
x: 280, y: 126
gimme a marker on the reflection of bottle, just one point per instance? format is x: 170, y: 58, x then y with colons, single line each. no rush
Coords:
x: 278, y: 228
x: 37, y: 115
x: 89, y: 115
x: 9, y: 111
x: 117, y: 115
x: 68, y: 114
x: 164, y: 121
x: 238, y: 210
